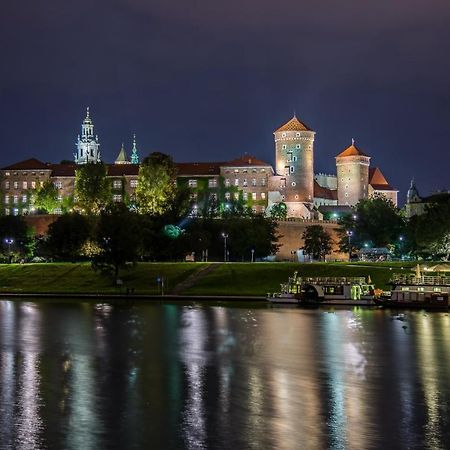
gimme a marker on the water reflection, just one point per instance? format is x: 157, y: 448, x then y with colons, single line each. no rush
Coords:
x: 167, y: 376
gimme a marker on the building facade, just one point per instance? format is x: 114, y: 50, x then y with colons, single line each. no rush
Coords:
x: 247, y: 180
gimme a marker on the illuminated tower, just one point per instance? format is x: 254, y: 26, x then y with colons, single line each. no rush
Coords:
x: 294, y: 155
x: 87, y: 145
x: 352, y: 167
x: 134, y: 152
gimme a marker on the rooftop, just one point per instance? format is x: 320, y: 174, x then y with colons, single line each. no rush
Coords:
x: 352, y: 150
x: 293, y: 125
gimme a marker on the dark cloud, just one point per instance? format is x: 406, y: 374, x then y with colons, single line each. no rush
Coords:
x: 209, y: 80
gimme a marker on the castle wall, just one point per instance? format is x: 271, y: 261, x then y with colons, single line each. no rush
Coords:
x: 291, y: 231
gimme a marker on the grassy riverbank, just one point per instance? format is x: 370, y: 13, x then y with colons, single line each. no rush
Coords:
x: 184, y: 278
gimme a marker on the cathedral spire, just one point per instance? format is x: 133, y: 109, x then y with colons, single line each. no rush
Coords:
x: 87, y: 144
x: 134, y: 152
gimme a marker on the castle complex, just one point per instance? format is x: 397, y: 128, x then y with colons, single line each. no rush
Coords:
x: 247, y: 179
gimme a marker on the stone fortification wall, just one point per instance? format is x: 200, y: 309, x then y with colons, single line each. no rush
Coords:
x: 40, y: 223
x: 291, y: 231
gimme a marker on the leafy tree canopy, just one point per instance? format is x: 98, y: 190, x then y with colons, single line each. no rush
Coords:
x: 278, y: 211
x: 67, y: 235
x: 156, y: 189
x: 46, y: 197
x: 92, y: 188
x: 318, y: 243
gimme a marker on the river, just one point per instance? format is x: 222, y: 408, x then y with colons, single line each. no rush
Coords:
x: 93, y: 376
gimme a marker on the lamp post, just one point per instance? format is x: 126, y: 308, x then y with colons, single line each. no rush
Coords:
x: 349, y: 234
x: 225, y: 237
x: 253, y: 255
x: 9, y: 242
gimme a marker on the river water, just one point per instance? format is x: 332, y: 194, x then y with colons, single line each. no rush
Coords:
x: 91, y: 376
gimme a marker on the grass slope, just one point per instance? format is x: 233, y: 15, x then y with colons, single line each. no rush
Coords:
x: 260, y: 278
x: 226, y: 279
x: 80, y: 278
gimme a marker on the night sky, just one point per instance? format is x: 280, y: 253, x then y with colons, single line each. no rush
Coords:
x: 209, y: 80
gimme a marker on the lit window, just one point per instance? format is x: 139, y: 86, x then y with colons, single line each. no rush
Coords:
x: 6, y: 184
x: 254, y: 195
x: 236, y: 181
x: 291, y: 169
x: 59, y: 198
x: 57, y: 211
x: 58, y: 184
x: 236, y: 170
x: 254, y: 170
x: 24, y: 198
x: 346, y: 194
x: 16, y: 199
x: 192, y: 183
x: 253, y: 181
x: 227, y: 182
x: 284, y: 147
x: 227, y: 196
x: 7, y: 212
x: 117, y: 198
x: 212, y: 183
x: 245, y: 196
x: 117, y: 184
x: 236, y: 195
x: 6, y: 199
x: 25, y: 173
x: 283, y: 197
x: 297, y: 134
x: 41, y: 183
x: 7, y: 174
x: 16, y: 211
x: 263, y: 170
x: 33, y: 185
x: 297, y: 146
x: 25, y: 185
x: 294, y: 184
x: 263, y: 195
x: 16, y: 185
x: 24, y: 211
x: 263, y: 182
x: 294, y: 158
x: 244, y: 182
x: 283, y: 134
x: 133, y: 183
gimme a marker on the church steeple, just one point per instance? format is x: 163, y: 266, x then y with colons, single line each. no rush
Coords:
x: 134, y: 152
x: 87, y: 144
x: 122, y: 156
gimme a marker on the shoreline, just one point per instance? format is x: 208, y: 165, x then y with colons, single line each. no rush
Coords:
x: 171, y: 297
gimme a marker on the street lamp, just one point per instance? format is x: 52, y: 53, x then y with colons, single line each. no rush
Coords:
x: 225, y: 237
x: 349, y: 234
x: 9, y: 242
x: 253, y: 255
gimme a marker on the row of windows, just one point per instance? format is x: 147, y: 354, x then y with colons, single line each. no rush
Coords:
x: 254, y: 182
x: 15, y: 199
x: 254, y: 170
x: 25, y: 184
x: 7, y: 174
x: 297, y: 146
x: 284, y: 134
x: 236, y: 195
x: 117, y: 184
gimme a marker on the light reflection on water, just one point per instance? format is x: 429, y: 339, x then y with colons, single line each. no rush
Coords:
x: 82, y: 376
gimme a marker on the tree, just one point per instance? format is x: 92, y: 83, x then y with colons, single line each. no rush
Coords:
x: 92, y: 188
x: 118, y: 239
x: 432, y: 229
x: 67, y: 235
x: 156, y: 189
x: 46, y: 197
x: 278, y: 211
x: 375, y: 220
x: 318, y: 243
x: 17, y: 238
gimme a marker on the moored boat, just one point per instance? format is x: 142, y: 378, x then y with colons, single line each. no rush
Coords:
x: 316, y: 290
x: 418, y: 291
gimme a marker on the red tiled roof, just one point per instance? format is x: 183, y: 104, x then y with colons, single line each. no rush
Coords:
x: 198, y: 168
x: 120, y: 170
x: 293, y: 125
x: 378, y: 181
x: 246, y: 161
x: 28, y: 164
x: 62, y: 170
x: 353, y: 150
x: 322, y: 192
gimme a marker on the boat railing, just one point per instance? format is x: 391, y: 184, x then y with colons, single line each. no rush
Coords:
x: 332, y: 280
x: 422, y: 280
